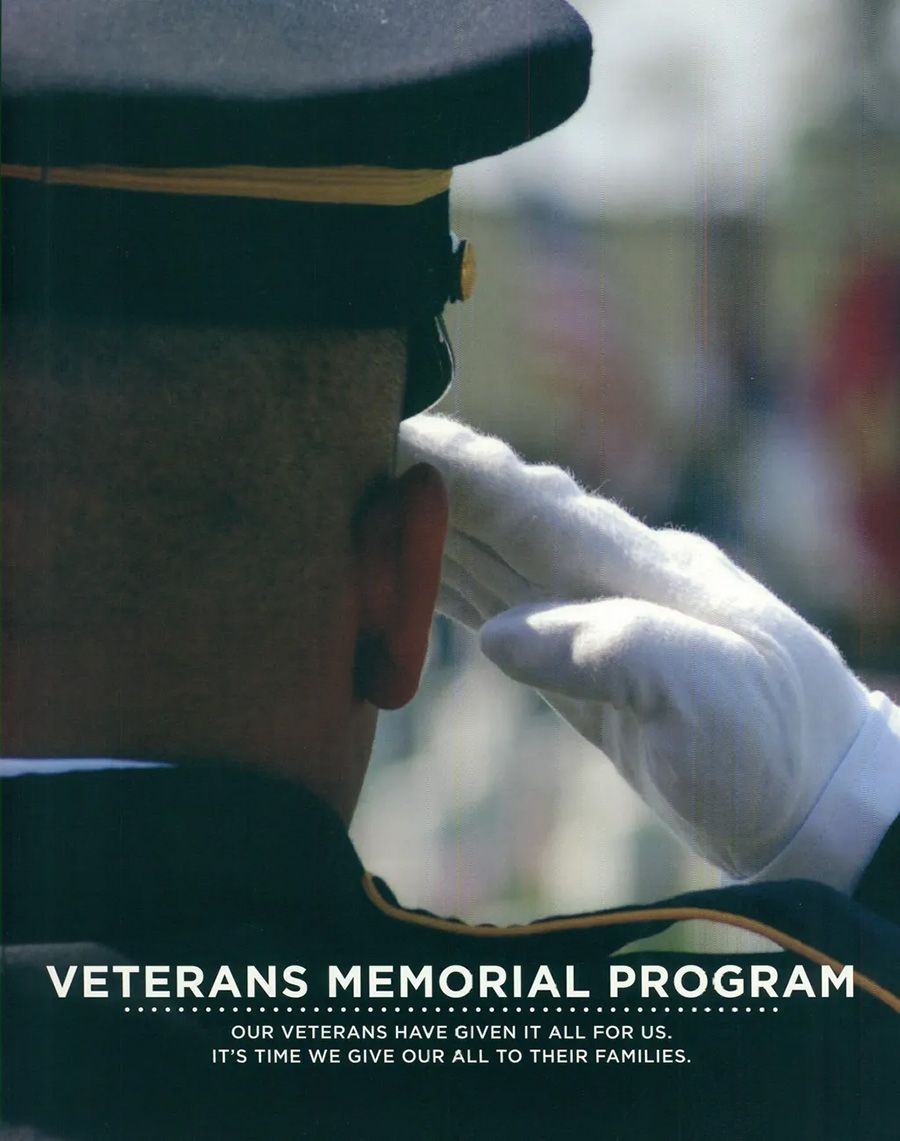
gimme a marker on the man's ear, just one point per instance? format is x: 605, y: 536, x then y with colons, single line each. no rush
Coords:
x: 400, y: 532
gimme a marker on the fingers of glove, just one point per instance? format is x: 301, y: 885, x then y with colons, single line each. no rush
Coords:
x: 623, y: 652
x: 535, y: 517
x: 726, y: 588
x: 453, y: 606
x: 552, y: 534
x: 481, y: 600
x: 485, y: 567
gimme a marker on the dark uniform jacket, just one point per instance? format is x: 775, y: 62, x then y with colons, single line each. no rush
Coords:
x: 205, y: 868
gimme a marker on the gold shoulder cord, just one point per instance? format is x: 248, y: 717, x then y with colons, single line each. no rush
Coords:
x: 327, y: 185
x: 619, y: 919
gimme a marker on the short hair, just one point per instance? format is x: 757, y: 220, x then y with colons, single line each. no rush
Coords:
x: 153, y: 469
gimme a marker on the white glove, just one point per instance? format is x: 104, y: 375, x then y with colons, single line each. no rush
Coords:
x: 718, y: 704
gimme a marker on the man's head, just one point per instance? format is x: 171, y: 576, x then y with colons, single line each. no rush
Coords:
x: 207, y: 553
x: 226, y: 250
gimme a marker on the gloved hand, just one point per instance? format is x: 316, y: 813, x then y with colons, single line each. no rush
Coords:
x: 719, y: 704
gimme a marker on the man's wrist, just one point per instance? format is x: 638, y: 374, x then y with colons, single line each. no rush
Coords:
x: 839, y: 838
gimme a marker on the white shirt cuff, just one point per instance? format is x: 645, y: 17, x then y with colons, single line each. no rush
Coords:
x: 839, y: 837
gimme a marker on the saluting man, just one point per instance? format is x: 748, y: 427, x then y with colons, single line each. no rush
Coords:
x: 226, y: 254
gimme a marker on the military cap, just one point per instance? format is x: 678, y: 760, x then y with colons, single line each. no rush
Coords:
x: 265, y: 162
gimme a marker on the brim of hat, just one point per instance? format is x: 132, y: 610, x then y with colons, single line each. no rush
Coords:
x: 404, y: 83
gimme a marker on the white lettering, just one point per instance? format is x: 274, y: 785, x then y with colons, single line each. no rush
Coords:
x: 61, y: 986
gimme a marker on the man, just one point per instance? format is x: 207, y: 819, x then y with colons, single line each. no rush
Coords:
x: 226, y: 250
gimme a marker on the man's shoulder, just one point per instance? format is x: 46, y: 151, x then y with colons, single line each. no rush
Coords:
x: 405, y: 1025
x: 799, y: 917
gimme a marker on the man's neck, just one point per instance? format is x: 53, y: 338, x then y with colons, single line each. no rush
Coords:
x: 67, y: 697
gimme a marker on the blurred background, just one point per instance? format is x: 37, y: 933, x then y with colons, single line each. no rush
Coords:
x: 689, y: 295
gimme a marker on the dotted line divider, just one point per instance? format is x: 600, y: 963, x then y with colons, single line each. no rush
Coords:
x: 451, y: 1010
